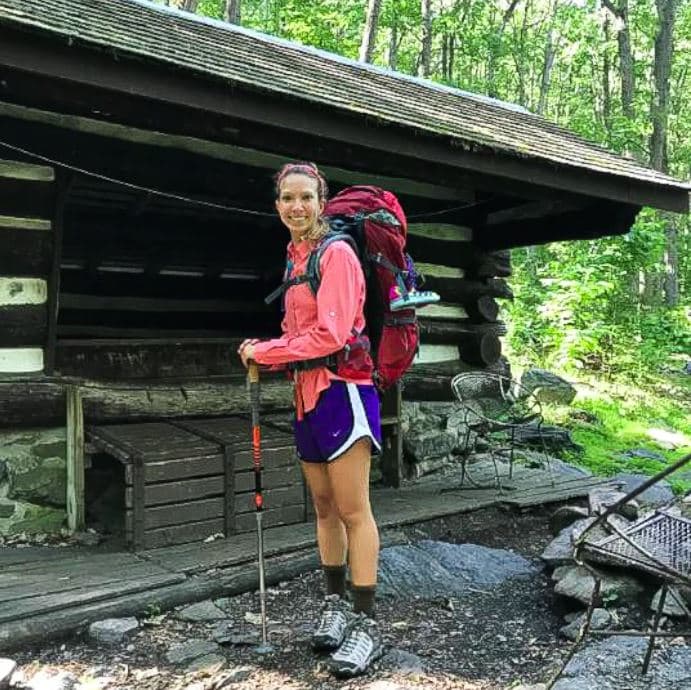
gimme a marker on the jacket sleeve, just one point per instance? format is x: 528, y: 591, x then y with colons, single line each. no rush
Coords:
x: 339, y: 297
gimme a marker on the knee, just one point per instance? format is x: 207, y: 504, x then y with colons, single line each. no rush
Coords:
x: 325, y: 507
x: 354, y: 516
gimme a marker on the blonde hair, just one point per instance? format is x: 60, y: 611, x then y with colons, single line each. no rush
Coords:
x: 321, y: 227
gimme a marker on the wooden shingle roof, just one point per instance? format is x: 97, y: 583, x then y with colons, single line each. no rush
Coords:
x: 264, y: 64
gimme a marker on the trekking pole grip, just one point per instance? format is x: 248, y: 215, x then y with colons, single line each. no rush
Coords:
x: 253, y: 372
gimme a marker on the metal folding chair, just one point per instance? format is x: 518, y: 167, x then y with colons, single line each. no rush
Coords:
x: 498, y: 408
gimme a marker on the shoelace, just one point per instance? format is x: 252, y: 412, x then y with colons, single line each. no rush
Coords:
x: 329, y: 619
x: 352, y: 642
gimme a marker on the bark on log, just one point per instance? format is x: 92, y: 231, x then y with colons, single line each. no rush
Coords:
x: 433, y: 381
x: 440, y: 332
x: 480, y: 348
x: 35, y: 403
x: 463, y: 290
x: 482, y: 309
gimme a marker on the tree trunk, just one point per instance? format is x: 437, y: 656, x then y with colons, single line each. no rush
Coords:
x: 232, y: 11
x: 664, y: 48
x: 370, y: 32
x: 606, y: 88
x: 426, y: 52
x: 626, y: 63
x: 190, y: 5
x: 393, y: 46
x: 495, y: 49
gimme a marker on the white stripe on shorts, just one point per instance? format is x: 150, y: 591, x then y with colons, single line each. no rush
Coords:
x: 361, y: 425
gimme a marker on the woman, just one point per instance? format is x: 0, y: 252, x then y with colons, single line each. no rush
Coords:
x: 337, y: 423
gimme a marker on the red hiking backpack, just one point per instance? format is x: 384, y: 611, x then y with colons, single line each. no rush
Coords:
x: 372, y: 221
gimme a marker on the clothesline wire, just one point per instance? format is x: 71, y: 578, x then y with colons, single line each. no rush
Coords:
x: 180, y: 197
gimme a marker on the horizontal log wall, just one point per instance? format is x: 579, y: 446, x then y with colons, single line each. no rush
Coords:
x: 27, y: 200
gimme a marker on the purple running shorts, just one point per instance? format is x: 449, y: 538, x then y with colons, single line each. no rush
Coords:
x: 345, y: 413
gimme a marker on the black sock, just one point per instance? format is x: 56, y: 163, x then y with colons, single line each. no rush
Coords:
x: 363, y: 599
x: 335, y: 579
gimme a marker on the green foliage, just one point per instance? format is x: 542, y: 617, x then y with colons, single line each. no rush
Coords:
x: 607, y: 419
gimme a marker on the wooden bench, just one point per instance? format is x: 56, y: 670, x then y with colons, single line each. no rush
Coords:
x: 188, y: 480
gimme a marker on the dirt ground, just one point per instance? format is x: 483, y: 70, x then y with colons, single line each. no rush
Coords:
x: 487, y: 640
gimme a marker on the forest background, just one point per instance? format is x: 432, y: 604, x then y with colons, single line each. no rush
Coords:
x: 616, y: 311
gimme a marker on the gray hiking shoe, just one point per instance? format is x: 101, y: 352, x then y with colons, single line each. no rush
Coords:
x: 336, y: 614
x: 361, y: 646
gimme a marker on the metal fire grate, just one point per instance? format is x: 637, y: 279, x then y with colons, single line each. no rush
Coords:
x: 659, y: 544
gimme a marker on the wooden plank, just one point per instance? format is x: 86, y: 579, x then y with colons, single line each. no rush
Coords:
x: 391, y: 462
x: 271, y: 458
x: 176, y: 514
x: 442, y: 310
x: 14, y: 291
x: 24, y: 324
x: 45, y: 582
x: 438, y: 271
x: 430, y: 354
x: 75, y: 460
x: 176, y: 491
x: 25, y: 253
x: 63, y: 186
x: 150, y: 304
x: 20, y: 223
x: 441, y: 231
x: 180, y: 468
x: 180, y: 534
x: 18, y: 170
x: 284, y: 475
x: 225, y: 152
x: 287, y: 515
x: 21, y: 360
x: 273, y: 498
x: 35, y: 403
x: 62, y: 600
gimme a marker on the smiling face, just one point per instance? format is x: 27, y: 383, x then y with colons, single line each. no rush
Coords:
x: 298, y: 204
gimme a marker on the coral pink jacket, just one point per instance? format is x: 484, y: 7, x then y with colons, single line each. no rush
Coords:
x: 317, y: 326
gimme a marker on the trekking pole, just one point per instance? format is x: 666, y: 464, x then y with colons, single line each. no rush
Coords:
x: 253, y: 381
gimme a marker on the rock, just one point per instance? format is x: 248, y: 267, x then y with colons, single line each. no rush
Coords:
x: 7, y: 508
x: 44, y: 680
x: 615, y: 663
x: 89, y: 538
x: 400, y: 661
x: 203, y: 611
x: 560, y: 572
x: 658, y: 495
x: 208, y: 662
x: 644, y: 453
x: 223, y: 632
x: 534, y: 686
x: 190, y: 650
x: 560, y: 550
x: 240, y: 639
x: 238, y: 674
x: 600, y: 620
x: 430, y: 569
x: 32, y: 519
x: 601, y: 498
x: 548, y: 387
x: 578, y: 584
x: 566, y: 469
x: 675, y: 604
x: 7, y: 668
x: 423, y: 443
x: 565, y: 516
x: 457, y: 426
x: 112, y: 631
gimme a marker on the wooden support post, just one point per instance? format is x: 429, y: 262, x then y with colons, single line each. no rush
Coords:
x: 392, y: 437
x: 75, y: 459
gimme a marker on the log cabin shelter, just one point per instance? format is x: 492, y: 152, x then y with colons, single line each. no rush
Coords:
x: 137, y: 148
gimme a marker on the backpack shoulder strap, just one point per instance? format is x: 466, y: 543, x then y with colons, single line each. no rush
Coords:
x: 313, y: 271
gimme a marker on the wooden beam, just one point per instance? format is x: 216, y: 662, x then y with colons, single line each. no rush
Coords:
x: 75, y: 459
x: 22, y: 291
x: 226, y: 152
x: 152, y: 304
x: 23, y: 325
x: 441, y: 231
x: 21, y: 360
x: 17, y: 170
x: 63, y: 184
x: 24, y: 223
x: 25, y: 252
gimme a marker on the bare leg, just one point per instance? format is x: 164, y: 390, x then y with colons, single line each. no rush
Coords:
x: 331, y: 532
x: 349, y: 481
